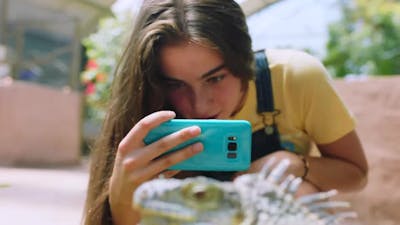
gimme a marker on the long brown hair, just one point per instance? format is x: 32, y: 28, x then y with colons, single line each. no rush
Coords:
x: 137, y: 90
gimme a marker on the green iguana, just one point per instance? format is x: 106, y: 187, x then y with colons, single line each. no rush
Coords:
x: 264, y: 198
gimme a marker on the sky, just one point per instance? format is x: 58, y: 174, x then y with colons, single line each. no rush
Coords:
x: 300, y: 24
x: 294, y: 23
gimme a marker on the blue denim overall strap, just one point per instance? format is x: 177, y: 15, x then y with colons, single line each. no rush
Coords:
x: 265, y: 140
x: 265, y: 97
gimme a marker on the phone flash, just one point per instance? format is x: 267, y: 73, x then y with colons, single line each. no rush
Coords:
x: 232, y: 138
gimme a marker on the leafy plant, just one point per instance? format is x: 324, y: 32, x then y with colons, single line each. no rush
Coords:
x: 366, y: 40
x: 103, y: 49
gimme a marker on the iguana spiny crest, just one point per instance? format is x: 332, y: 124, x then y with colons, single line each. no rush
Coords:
x: 264, y: 198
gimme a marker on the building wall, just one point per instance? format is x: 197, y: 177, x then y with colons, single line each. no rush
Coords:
x: 39, y: 126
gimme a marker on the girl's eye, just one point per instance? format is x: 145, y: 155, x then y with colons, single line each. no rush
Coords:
x: 215, y: 79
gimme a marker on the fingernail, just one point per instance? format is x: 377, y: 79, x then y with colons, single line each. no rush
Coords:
x: 197, y: 147
x: 172, y: 113
x: 195, y: 130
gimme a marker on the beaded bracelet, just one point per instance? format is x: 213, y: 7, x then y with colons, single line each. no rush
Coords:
x: 306, y: 165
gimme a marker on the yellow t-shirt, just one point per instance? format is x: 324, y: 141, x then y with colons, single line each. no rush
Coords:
x: 310, y: 109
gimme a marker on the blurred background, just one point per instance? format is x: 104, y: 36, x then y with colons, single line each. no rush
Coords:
x: 57, y: 59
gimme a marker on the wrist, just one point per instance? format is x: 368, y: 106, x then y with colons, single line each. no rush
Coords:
x: 124, y: 214
x: 306, y: 166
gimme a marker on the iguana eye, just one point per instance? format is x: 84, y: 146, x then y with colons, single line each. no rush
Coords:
x: 202, y: 196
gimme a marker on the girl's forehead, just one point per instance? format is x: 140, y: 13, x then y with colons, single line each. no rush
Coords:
x: 189, y: 58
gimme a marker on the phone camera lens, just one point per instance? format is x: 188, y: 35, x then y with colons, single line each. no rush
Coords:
x: 232, y: 146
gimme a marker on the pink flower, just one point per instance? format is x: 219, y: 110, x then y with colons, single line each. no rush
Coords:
x: 91, y: 64
x: 90, y: 88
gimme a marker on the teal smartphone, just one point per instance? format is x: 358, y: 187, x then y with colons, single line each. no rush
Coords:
x: 227, y: 144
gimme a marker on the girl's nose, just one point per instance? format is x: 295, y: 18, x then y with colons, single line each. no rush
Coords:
x: 203, y: 104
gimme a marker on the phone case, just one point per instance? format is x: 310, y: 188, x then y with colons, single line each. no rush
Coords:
x: 227, y: 144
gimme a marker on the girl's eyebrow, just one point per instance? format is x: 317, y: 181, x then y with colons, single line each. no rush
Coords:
x: 205, y: 75
x: 169, y: 79
x: 212, y: 71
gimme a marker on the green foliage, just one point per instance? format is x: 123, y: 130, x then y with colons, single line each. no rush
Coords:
x: 366, y: 40
x: 104, y: 48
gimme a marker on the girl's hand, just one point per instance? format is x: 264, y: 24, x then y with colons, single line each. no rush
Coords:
x: 296, y: 168
x: 136, y: 162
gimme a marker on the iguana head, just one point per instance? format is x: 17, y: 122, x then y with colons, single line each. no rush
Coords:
x: 197, y: 200
x: 264, y: 198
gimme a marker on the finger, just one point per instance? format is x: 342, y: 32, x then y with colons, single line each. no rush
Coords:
x: 170, y: 141
x: 166, y: 174
x: 170, y: 173
x: 135, y: 136
x: 165, y: 162
x: 137, y: 159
